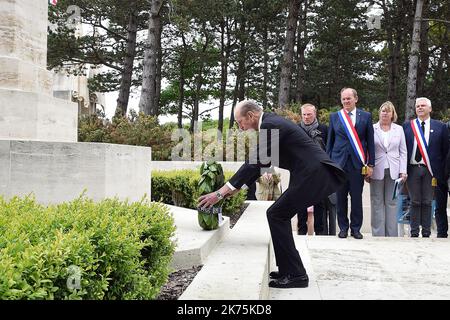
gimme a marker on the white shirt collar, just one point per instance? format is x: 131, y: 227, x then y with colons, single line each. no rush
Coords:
x: 427, y: 122
x: 260, y: 121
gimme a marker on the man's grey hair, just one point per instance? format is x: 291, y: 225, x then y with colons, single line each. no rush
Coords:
x: 428, y: 101
x: 247, y: 106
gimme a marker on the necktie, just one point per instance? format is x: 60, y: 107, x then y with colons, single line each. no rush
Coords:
x: 418, y: 156
x: 350, y: 115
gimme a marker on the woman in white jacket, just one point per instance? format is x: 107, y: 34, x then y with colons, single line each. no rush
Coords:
x: 390, y: 164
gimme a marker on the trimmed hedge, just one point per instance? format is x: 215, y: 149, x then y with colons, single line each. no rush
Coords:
x: 183, y: 183
x: 118, y: 250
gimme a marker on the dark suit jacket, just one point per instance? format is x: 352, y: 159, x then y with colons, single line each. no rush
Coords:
x: 339, y: 148
x: 298, y: 153
x: 438, y: 146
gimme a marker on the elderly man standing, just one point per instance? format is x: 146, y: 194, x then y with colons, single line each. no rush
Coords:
x: 427, y: 144
x: 318, y: 132
x: 312, y: 176
x: 351, y: 145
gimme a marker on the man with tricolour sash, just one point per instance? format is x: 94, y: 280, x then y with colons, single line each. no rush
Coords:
x: 427, y: 144
x: 351, y: 145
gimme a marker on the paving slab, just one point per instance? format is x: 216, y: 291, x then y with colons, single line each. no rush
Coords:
x: 375, y: 268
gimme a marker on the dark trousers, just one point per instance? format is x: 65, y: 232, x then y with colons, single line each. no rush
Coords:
x: 302, y: 193
x: 354, y: 186
x: 302, y: 218
x: 251, y: 192
x: 329, y: 216
x: 441, y: 192
x: 279, y: 217
x: 421, y: 195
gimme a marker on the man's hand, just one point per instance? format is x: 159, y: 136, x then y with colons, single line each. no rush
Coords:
x: 208, y: 200
x: 369, y: 172
x: 404, y: 176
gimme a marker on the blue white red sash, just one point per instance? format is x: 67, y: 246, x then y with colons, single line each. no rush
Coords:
x: 352, y: 136
x: 421, y: 143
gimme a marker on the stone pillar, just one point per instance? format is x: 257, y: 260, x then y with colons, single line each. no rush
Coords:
x: 28, y: 110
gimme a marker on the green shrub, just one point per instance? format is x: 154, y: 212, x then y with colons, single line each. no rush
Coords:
x: 121, y: 250
x: 185, y: 184
x: 138, y: 130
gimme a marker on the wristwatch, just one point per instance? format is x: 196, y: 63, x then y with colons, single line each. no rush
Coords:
x: 219, y: 195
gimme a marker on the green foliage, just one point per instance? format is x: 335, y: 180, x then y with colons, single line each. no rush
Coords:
x: 74, y: 52
x: 122, y: 250
x: 211, y: 179
x: 184, y: 183
x: 138, y: 130
x: 340, y: 50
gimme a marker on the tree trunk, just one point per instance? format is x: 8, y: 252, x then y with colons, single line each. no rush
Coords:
x: 413, y: 63
x: 241, y: 66
x: 223, y: 74
x: 158, y: 74
x: 148, y: 92
x: 239, y: 89
x: 265, y: 67
x: 181, y: 89
x: 182, y: 83
x: 198, y: 86
x: 125, y: 82
x: 301, y: 47
x: 424, y: 53
x: 288, y: 56
x: 235, y: 94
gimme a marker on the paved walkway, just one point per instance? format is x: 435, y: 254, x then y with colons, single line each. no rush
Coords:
x: 372, y: 268
x: 236, y: 263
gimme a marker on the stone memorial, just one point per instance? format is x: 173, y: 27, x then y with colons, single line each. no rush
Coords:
x: 39, y: 152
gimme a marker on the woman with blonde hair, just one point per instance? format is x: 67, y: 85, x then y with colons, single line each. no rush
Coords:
x: 390, y: 164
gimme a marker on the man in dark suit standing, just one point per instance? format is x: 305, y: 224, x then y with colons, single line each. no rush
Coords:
x: 312, y: 176
x: 351, y: 145
x: 427, y: 144
x: 318, y: 132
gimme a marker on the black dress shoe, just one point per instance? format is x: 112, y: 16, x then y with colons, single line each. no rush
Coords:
x: 357, y: 235
x: 342, y: 234
x: 275, y: 275
x: 414, y: 235
x: 290, y: 281
x: 442, y: 236
x: 425, y: 235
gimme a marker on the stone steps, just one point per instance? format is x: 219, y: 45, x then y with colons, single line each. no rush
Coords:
x: 193, y: 243
x: 237, y: 269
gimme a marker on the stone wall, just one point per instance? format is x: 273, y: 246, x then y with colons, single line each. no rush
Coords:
x: 58, y: 171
